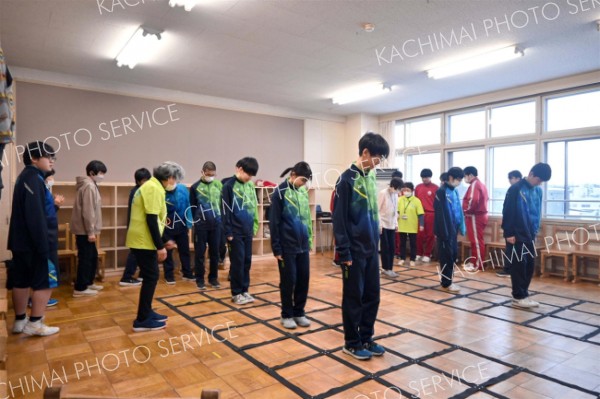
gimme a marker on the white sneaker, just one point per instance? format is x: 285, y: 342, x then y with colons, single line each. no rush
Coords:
x: 534, y: 303
x: 95, y: 287
x: 302, y: 321
x: 400, y: 262
x: 19, y: 326
x: 453, y: 288
x: 470, y: 268
x: 426, y: 259
x: 39, y: 328
x: 86, y: 292
x: 524, y: 303
x: 288, y: 323
x: 248, y: 297
x: 239, y: 299
x: 390, y: 273
x: 418, y: 258
x: 412, y: 263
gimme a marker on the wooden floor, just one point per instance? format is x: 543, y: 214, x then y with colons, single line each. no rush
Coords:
x: 439, y: 345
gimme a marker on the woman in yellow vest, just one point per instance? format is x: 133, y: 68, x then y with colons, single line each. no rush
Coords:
x: 410, y: 221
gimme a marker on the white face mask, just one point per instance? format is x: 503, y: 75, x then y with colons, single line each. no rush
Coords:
x: 407, y: 194
x: 98, y: 178
x: 170, y: 187
x: 50, y: 183
x: 208, y: 179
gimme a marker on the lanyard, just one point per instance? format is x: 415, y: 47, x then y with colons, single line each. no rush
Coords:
x: 407, y: 205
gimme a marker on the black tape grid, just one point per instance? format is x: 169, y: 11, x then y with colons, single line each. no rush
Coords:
x: 493, y: 305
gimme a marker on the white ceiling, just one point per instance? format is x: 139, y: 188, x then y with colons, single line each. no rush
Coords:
x: 296, y: 53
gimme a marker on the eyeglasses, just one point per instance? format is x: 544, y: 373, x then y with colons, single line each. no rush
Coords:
x: 52, y: 158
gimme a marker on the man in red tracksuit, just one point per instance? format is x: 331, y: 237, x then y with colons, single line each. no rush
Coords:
x: 426, y: 193
x: 476, y: 218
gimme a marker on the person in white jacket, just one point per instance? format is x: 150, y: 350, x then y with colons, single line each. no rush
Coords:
x: 388, y: 224
x: 86, y: 224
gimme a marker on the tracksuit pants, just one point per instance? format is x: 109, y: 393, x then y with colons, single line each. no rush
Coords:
x: 448, y: 252
x: 294, y: 275
x: 475, y: 229
x: 388, y: 244
x: 426, y: 238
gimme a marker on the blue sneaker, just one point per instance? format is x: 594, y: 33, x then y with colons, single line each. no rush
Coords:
x: 148, y: 325
x: 375, y: 349
x: 159, y: 317
x: 358, y: 353
x: 52, y: 302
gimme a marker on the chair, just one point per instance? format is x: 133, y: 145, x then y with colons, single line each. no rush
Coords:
x: 65, y: 249
x: 587, y: 247
x: 560, y: 248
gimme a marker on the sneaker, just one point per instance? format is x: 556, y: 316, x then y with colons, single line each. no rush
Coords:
x: 400, y: 262
x: 39, y: 328
x: 95, y: 287
x: 358, y: 353
x: 249, y: 297
x: 302, y: 321
x: 334, y: 263
x: 502, y: 274
x: 453, y: 288
x: 140, y: 279
x: 19, y: 326
x: 288, y: 323
x: 470, y: 268
x: 52, y: 302
x: 534, y: 303
x: 215, y: 284
x: 201, y: 286
x: 158, y: 317
x: 86, y: 292
x: 239, y: 299
x: 418, y: 257
x: 426, y: 259
x: 390, y: 273
x: 375, y: 349
x: 188, y: 278
x: 129, y: 282
x: 148, y: 325
x: 221, y: 265
x: 412, y: 263
x: 170, y: 281
x: 524, y: 303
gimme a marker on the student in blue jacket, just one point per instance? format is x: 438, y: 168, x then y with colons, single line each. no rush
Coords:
x: 521, y: 214
x: 179, y: 221
x: 291, y: 239
x: 356, y: 230
x: 449, y: 221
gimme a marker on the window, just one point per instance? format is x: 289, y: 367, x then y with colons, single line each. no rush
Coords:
x: 415, y: 163
x: 504, y: 159
x: 573, y: 192
x: 511, y: 120
x: 465, y: 158
x: 423, y: 132
x: 399, y: 135
x: 467, y: 126
x: 573, y: 111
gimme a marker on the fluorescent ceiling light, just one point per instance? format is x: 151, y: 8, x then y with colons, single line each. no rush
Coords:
x: 361, y: 92
x: 139, y: 47
x: 186, y: 4
x: 476, y: 62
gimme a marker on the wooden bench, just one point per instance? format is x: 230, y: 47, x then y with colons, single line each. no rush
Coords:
x: 561, y: 247
x: 61, y: 393
x: 587, y: 247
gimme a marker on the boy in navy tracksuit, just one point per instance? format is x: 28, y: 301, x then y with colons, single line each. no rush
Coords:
x: 141, y: 176
x: 356, y: 230
x: 33, y: 240
x: 521, y: 216
x: 448, y: 222
x: 179, y: 221
x: 291, y: 239
x: 240, y: 221
x: 205, y: 199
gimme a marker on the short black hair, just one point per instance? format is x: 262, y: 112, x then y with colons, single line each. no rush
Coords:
x: 95, y: 167
x: 141, y: 174
x: 248, y: 165
x: 37, y: 150
x: 396, y: 183
x: 444, y: 177
x: 515, y: 174
x: 470, y: 170
x: 209, y: 165
x: 542, y: 170
x: 426, y: 173
x: 409, y: 185
x: 397, y: 173
x: 301, y: 169
x: 375, y: 143
x: 456, y: 173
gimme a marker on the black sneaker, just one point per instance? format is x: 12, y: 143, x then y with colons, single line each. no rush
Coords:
x: 215, y: 284
x: 129, y: 282
x: 158, y: 317
x: 170, y: 280
x: 375, y: 349
x: 188, y: 278
x: 148, y: 325
x: 358, y: 353
x: 201, y: 286
x: 502, y: 273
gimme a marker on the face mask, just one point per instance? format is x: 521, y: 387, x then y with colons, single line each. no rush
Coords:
x: 50, y: 183
x: 407, y: 194
x: 98, y: 178
x: 455, y: 184
x: 208, y: 179
x: 170, y: 187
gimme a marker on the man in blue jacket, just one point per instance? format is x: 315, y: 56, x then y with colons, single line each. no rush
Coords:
x: 448, y: 222
x: 179, y: 221
x: 521, y: 215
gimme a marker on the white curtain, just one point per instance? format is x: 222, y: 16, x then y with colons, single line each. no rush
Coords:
x: 387, y: 130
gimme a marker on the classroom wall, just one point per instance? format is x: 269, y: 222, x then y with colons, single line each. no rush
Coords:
x: 129, y: 132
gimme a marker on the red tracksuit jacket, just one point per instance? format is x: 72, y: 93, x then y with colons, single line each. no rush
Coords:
x: 476, y: 199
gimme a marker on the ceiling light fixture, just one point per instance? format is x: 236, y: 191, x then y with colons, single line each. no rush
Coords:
x: 368, y: 27
x: 186, y: 4
x: 359, y: 93
x: 476, y: 62
x: 139, y: 47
